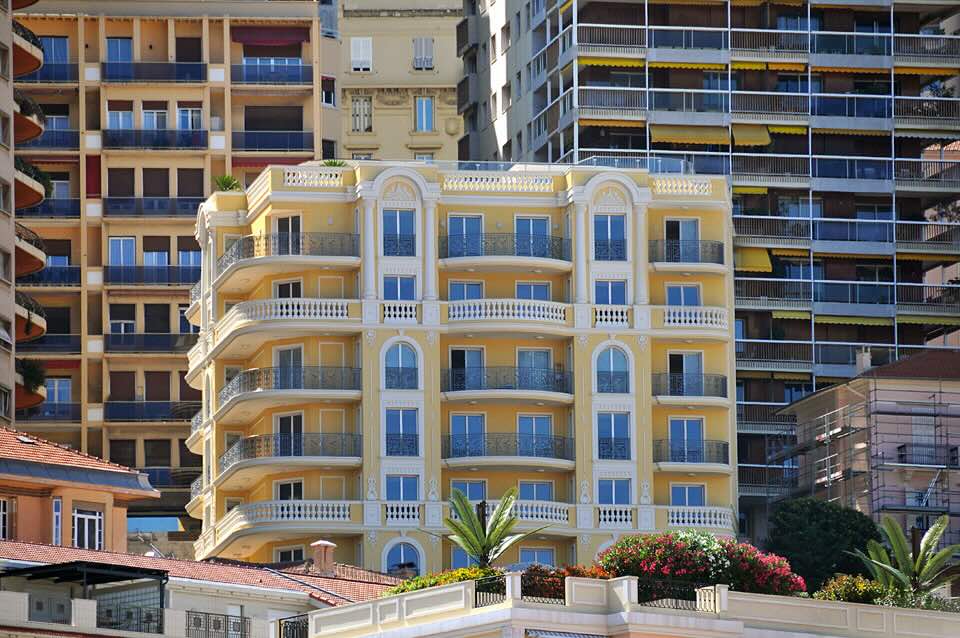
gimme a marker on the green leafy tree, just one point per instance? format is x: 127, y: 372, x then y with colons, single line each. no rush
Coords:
x: 484, y: 544
x: 227, y: 183
x: 817, y: 537
x: 913, y: 572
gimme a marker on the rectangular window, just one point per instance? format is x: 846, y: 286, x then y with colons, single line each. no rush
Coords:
x: 686, y: 441
x: 423, y: 53
x: 119, y: 50
x: 399, y: 288
x: 460, y: 558
x: 361, y: 114
x: 120, y: 120
x: 536, y: 491
x: 57, y: 520
x: 537, y: 556
x: 123, y: 318
x: 122, y: 251
x: 58, y: 389
x: 4, y: 519
x: 87, y: 529
x: 538, y: 291
x: 401, y: 432
x: 328, y: 91
x: 614, y: 491
x: 688, y: 495
x: 402, y: 487
x: 473, y: 490
x: 189, y: 118
x: 185, y: 326
x: 683, y: 295
x: 361, y: 54
x: 288, y: 555
x: 4, y: 398
x: 399, y: 235
x: 154, y: 120
x: 56, y: 49
x: 465, y: 290
x: 613, y: 436
x: 613, y: 292
x: 424, y: 113
x: 288, y: 490
x: 609, y: 236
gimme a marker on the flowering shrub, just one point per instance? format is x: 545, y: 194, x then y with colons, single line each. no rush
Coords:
x: 442, y: 578
x: 701, y: 557
x: 851, y: 589
x: 540, y: 581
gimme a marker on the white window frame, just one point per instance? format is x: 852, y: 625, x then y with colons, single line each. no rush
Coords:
x: 291, y: 481
x: 82, y: 516
x: 288, y: 548
x: 361, y: 54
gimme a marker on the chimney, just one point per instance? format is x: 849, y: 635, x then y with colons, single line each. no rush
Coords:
x: 323, y: 556
x: 864, y: 360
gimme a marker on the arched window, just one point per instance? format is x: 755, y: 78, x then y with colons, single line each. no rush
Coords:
x: 400, y: 371
x: 403, y: 560
x: 612, y: 371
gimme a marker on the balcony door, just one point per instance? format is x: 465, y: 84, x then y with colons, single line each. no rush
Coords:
x: 686, y: 440
x: 686, y: 373
x: 467, y: 435
x: 288, y: 240
x: 464, y: 236
x: 122, y: 251
x: 58, y: 389
x: 288, y: 368
x: 533, y: 291
x: 535, y: 435
x: 683, y: 240
x: 531, y: 236
x: 609, y: 237
x: 534, y: 370
x: 288, y: 289
x: 466, y: 369
x: 288, y: 435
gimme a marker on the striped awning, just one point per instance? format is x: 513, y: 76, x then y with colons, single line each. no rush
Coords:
x: 857, y: 321
x: 846, y: 69
x: 788, y: 130
x: 920, y: 70
x: 676, y: 134
x: 931, y: 321
x: 790, y: 314
x: 787, y: 66
x: 599, y: 61
x: 751, y: 259
x: 923, y: 257
x: 750, y: 135
x: 617, y: 123
x: 789, y: 252
x: 789, y: 376
x: 750, y: 190
x: 707, y: 66
x: 749, y: 66
x: 851, y: 131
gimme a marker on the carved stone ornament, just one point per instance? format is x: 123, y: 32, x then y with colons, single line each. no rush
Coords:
x: 584, y: 492
x: 398, y: 192
x: 642, y: 340
x: 611, y: 198
x: 644, y: 492
x: 371, y: 488
x: 432, y: 337
x: 372, y: 536
x: 371, y: 336
x: 583, y: 339
x: 393, y: 97
x: 584, y: 539
x: 432, y: 492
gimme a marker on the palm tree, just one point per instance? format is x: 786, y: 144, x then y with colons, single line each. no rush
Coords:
x: 484, y: 544
x: 901, y: 569
x: 227, y: 183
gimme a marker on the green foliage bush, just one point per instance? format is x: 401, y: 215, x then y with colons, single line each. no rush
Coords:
x: 442, y: 578
x: 851, y: 588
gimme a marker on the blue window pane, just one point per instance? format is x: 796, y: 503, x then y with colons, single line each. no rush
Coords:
x: 461, y: 559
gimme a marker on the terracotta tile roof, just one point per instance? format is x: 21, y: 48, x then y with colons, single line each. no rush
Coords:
x: 26, y: 447
x: 350, y: 572
x: 331, y: 590
x: 932, y: 364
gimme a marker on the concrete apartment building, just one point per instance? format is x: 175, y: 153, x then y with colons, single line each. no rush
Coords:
x: 887, y: 442
x: 429, y: 328
x: 146, y: 104
x: 831, y: 120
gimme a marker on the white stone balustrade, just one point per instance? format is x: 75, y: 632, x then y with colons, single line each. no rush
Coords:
x: 695, y: 317
x: 507, y: 310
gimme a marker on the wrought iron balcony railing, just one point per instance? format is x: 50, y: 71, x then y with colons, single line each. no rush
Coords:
x: 402, y: 444
x: 690, y: 385
x: 278, y: 244
x: 686, y: 251
x: 610, y: 249
x: 666, y: 451
x: 399, y: 245
x: 504, y: 245
x: 505, y: 378
x: 400, y: 378
x: 616, y: 382
x: 507, y: 444
x: 279, y: 445
x: 292, y: 378
x: 614, y: 448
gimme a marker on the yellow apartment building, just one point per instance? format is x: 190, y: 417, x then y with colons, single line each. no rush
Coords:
x: 146, y: 104
x: 376, y: 335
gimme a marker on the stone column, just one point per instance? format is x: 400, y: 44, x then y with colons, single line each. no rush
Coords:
x: 641, y: 295
x: 369, y: 255
x: 430, y: 251
x: 580, y: 254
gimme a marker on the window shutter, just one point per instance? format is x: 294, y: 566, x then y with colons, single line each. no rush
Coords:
x: 423, y: 53
x: 361, y: 54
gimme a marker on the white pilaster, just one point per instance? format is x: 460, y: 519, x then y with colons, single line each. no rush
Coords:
x: 641, y: 295
x: 580, y: 256
x: 369, y: 256
x: 430, y: 251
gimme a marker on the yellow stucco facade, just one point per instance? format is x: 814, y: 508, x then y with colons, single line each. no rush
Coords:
x: 375, y: 335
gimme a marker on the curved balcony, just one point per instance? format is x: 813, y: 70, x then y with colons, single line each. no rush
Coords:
x: 27, y: 50
x: 674, y: 388
x: 248, y: 323
x: 683, y: 255
x: 29, y: 378
x: 31, y: 184
x: 706, y: 455
x: 508, y: 450
x: 505, y: 251
x: 252, y: 458
x: 31, y: 317
x: 277, y: 253
x: 503, y: 383
x: 496, y: 315
x: 28, y: 118
x: 30, y: 252
x: 257, y: 389
x: 17, y: 5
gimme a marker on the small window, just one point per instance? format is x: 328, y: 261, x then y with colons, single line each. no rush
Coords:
x: 328, y: 91
x: 403, y: 560
x: 361, y: 114
x: 5, y: 129
x: 613, y: 491
x: 6, y: 269
x: 5, y: 402
x: 424, y: 114
x: 288, y: 555
x: 5, y: 197
x: 423, y: 53
x: 361, y: 54
x: 4, y: 519
x: 231, y: 502
x: 4, y: 62
x: 399, y: 288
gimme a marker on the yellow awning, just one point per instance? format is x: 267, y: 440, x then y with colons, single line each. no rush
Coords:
x: 789, y: 3
x: 788, y: 130
x: 789, y: 376
x: 933, y: 321
x: 850, y: 131
x: 787, y: 66
x: 746, y: 3
x: 708, y: 66
x: 677, y: 134
x: 852, y: 256
x: 789, y: 252
x: 750, y: 66
x: 593, y: 61
x: 844, y: 69
x: 857, y: 321
x: 919, y: 70
x: 752, y: 374
x: 922, y: 257
x: 750, y: 135
x: 566, y: 5
x: 617, y: 123
x: 790, y: 314
x: 752, y: 259
x: 750, y: 190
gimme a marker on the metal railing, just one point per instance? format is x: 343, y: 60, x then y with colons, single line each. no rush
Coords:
x: 491, y: 590
x: 399, y: 245
x: 853, y: 292
x: 689, y: 385
x: 402, y: 444
x: 295, y: 626
x: 504, y: 245
x: 293, y: 244
x: 272, y: 140
x: 397, y: 378
x: 280, y: 445
x: 51, y: 411
x: 776, y: 353
x: 849, y: 105
x: 151, y: 206
x: 147, y: 620
x: 768, y: 290
x: 149, y: 410
x: 853, y: 230
x: 26, y: 34
x: 49, y: 343
x: 613, y: 381
x: 155, y: 138
x: 30, y: 304
x: 508, y: 444
x: 53, y: 72
x: 668, y: 594
x: 505, y: 378
x: 688, y: 100
x: 614, y: 448
x: 52, y: 276
x: 924, y: 234
x: 26, y: 235
x: 666, y: 451
x: 686, y: 251
x: 838, y: 43
x: 610, y: 249
x: 292, y: 378
x: 770, y: 103
x: 767, y: 478
x: 770, y: 42
x: 940, y: 109
x: 54, y: 138
x: 150, y: 275
x: 271, y: 74
x: 150, y: 342
x: 63, y: 208
x: 795, y: 229
x: 612, y: 98
x: 201, y: 624
x: 542, y: 587
x: 154, y: 71
x: 924, y: 299
x: 876, y: 168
